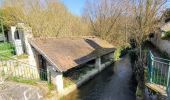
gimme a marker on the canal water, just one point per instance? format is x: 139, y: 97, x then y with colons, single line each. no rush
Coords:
x: 114, y: 83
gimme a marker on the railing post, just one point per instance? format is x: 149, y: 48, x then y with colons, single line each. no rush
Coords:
x: 151, y: 66
x: 167, y: 84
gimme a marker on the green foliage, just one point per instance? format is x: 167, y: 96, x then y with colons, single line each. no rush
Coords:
x: 21, y: 80
x: 6, y: 49
x: 117, y: 54
x: 123, y: 50
x: 166, y: 36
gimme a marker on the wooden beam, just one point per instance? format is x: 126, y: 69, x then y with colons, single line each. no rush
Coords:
x: 157, y: 88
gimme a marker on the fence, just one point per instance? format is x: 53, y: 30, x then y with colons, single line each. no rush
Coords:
x: 158, y: 71
x: 13, y: 68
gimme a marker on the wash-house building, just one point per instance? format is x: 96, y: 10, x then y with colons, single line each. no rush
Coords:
x: 74, y: 58
x: 66, y: 55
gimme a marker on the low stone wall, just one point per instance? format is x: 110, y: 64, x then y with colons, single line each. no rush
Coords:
x: 85, y: 78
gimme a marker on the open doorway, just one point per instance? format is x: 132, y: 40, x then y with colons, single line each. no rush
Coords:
x: 42, y: 68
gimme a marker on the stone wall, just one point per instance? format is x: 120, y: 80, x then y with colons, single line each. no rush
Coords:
x: 166, y: 27
x: 163, y: 45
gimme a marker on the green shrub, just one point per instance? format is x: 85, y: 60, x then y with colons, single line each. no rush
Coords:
x: 6, y: 49
x: 124, y: 50
x: 120, y: 52
x: 117, y: 54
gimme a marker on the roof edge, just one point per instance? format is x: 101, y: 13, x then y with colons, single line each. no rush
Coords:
x: 41, y: 52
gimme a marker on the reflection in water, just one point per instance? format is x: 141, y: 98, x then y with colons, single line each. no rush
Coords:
x: 108, y: 85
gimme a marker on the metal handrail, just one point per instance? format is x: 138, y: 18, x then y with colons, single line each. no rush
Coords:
x: 158, y: 74
x: 161, y: 62
x: 152, y: 56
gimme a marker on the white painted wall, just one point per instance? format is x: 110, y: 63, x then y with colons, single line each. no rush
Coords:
x: 56, y: 77
x: 16, y: 42
x: 59, y: 82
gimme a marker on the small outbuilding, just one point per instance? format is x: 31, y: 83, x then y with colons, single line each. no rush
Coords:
x: 61, y: 56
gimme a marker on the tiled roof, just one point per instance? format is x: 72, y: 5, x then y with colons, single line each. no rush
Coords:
x: 67, y: 53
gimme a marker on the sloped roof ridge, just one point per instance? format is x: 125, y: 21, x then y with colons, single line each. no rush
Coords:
x: 69, y: 37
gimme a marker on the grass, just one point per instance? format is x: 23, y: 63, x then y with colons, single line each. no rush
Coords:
x: 21, y: 80
x: 6, y: 49
x: 23, y: 56
x: 68, y: 82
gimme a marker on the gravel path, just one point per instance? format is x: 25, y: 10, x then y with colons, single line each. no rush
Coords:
x: 15, y: 91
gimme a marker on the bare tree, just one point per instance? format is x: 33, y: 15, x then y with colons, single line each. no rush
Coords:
x: 104, y: 17
x: 144, y: 18
x: 50, y: 18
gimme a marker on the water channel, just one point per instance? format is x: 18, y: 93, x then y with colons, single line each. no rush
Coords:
x: 114, y: 83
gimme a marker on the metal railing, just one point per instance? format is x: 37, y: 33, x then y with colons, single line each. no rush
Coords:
x: 158, y: 71
x: 13, y: 68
